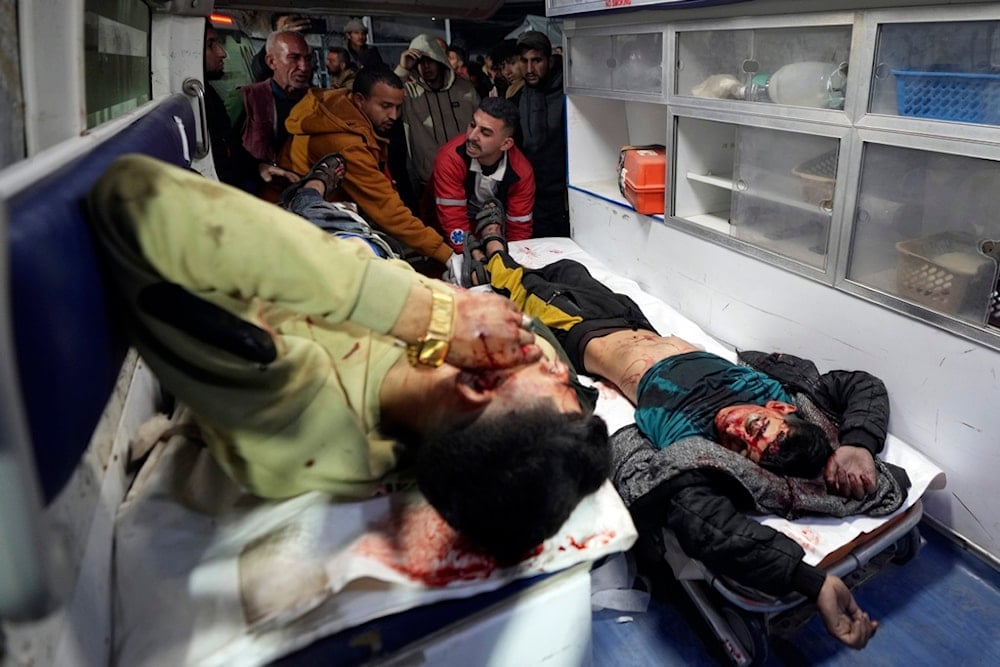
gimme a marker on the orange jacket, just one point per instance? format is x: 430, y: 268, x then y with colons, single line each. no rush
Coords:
x: 326, y: 121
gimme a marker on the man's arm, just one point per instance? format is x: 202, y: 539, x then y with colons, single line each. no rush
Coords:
x: 223, y: 246
x: 843, y: 618
x: 709, y: 527
x: 860, y: 403
x: 450, y: 201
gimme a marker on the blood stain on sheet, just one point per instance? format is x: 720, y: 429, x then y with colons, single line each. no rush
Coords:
x: 596, y: 540
x: 807, y: 538
x: 417, y: 542
x: 357, y: 346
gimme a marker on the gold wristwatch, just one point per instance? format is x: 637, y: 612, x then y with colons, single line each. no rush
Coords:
x: 432, y: 348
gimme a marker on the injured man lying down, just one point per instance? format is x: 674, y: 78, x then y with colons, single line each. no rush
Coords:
x: 286, y: 344
x: 794, y: 441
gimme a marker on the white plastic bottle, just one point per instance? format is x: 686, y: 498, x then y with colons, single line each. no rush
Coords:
x: 804, y: 84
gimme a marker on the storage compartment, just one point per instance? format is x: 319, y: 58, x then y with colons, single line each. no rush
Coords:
x: 630, y: 63
x: 819, y: 176
x: 940, y: 70
x: 944, y: 271
x: 957, y: 96
x: 642, y: 173
x: 797, y: 66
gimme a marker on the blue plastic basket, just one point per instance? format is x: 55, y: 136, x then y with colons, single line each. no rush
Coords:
x: 958, y: 96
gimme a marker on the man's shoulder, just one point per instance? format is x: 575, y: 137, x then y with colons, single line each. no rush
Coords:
x: 256, y: 90
x: 463, y: 87
x: 520, y: 162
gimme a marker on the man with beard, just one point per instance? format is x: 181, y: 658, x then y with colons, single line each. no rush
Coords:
x: 356, y: 124
x: 543, y: 127
x: 230, y: 159
x: 266, y: 105
x: 338, y: 66
x: 480, y: 167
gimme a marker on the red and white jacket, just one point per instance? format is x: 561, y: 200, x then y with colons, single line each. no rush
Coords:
x: 456, y: 200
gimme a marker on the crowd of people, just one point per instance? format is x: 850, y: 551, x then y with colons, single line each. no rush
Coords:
x: 418, y: 136
x: 297, y: 377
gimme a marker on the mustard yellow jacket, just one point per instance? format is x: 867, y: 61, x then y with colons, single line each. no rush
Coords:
x: 327, y: 121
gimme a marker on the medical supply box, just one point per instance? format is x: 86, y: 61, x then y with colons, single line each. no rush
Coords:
x: 642, y: 173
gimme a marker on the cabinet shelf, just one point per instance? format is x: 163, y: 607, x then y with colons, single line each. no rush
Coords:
x: 724, y: 181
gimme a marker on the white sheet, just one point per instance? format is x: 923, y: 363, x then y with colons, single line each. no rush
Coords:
x: 206, y: 575
x: 818, y: 536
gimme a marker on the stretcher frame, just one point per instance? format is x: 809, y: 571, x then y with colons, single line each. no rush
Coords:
x: 740, y: 617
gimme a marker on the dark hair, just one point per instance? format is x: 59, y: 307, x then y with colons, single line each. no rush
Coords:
x: 368, y: 76
x: 340, y: 51
x: 803, y: 453
x: 502, y: 109
x: 504, y: 51
x: 459, y: 51
x: 534, y: 40
x: 507, y: 484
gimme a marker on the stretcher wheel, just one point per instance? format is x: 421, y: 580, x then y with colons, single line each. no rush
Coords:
x: 907, y: 546
x: 750, y: 630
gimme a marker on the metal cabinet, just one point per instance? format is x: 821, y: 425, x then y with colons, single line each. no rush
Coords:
x: 860, y: 149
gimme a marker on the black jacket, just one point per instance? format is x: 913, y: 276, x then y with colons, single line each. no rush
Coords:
x: 705, y: 508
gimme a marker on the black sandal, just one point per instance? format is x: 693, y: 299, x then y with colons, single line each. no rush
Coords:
x: 329, y: 169
x: 491, y: 213
x: 473, y: 268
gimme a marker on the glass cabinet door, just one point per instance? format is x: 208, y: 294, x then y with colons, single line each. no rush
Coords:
x: 629, y: 63
x: 943, y: 71
x: 769, y: 188
x: 926, y: 231
x: 793, y: 66
x: 783, y: 192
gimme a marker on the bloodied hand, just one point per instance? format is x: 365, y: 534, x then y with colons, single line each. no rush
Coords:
x: 489, y: 333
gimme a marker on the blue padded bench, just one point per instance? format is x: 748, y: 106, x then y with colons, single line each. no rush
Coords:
x: 69, y: 347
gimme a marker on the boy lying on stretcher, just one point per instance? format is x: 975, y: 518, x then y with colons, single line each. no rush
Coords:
x: 671, y: 475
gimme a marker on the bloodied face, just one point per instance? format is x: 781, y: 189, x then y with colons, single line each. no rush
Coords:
x: 751, y: 430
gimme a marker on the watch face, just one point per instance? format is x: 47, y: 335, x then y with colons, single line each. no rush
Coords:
x: 432, y: 352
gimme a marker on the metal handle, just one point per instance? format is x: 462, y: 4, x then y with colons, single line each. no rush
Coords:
x: 196, y: 89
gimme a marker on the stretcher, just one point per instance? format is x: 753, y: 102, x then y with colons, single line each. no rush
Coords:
x: 131, y: 548
x: 855, y: 548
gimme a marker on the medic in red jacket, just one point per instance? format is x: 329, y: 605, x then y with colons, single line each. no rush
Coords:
x: 480, y: 165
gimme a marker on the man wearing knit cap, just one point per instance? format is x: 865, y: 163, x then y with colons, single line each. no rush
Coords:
x: 438, y: 104
x: 543, y: 129
x: 356, y: 40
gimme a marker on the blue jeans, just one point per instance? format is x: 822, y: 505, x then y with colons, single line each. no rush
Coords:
x: 336, y: 220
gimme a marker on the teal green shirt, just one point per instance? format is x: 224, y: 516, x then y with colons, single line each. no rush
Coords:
x: 679, y: 396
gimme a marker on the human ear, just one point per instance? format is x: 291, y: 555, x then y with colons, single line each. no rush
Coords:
x: 477, y: 387
x: 507, y: 144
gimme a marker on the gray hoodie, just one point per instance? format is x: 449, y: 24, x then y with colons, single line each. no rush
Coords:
x: 432, y: 117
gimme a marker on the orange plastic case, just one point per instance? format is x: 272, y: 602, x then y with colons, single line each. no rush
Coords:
x: 642, y: 173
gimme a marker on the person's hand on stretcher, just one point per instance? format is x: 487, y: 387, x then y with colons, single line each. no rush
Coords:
x: 850, y: 472
x: 842, y: 616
